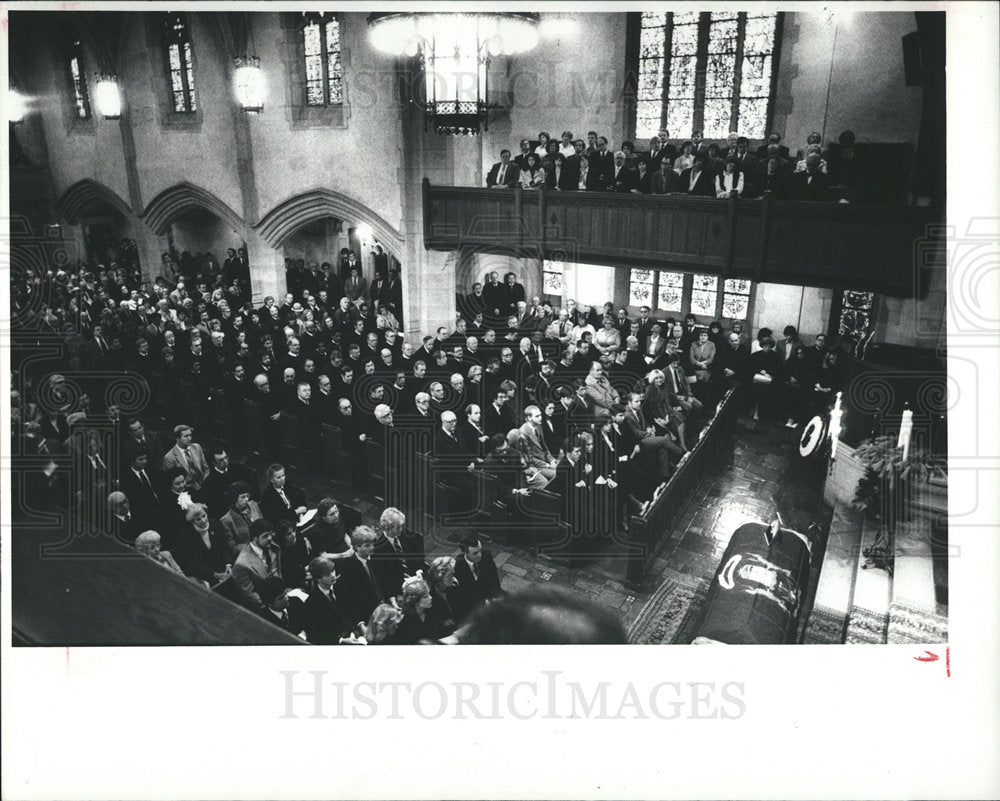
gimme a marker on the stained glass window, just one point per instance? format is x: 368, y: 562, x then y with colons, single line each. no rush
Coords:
x: 736, y: 298
x: 670, y: 295
x: 323, y: 69
x: 855, y: 314
x: 683, y: 293
x: 552, y: 277
x: 179, y: 63
x: 708, y: 71
x: 704, y: 289
x: 640, y: 288
x: 78, y: 80
x: 755, y: 73
x: 649, y: 100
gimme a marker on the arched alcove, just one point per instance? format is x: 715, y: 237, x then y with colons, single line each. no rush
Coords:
x: 87, y: 196
x: 317, y: 204
x: 197, y: 224
x: 100, y: 219
x: 172, y: 203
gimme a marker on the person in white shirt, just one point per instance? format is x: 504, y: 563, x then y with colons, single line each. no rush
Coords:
x: 543, y: 145
x: 730, y: 181
x: 566, y: 147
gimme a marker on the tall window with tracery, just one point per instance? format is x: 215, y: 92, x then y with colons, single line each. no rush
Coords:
x: 180, y: 68
x: 708, y: 71
x: 78, y: 80
x: 323, y: 69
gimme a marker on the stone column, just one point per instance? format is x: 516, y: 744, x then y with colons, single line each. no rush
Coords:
x: 267, y: 269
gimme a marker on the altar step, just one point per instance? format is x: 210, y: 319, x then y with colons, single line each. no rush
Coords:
x: 867, y: 606
x: 832, y: 604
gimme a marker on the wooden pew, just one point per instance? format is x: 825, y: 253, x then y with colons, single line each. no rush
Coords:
x: 651, y: 529
x: 93, y: 590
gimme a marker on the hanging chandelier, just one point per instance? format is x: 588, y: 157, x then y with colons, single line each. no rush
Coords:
x: 249, y: 85
x: 454, y: 51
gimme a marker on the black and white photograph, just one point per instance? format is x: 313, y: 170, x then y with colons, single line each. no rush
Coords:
x: 551, y: 334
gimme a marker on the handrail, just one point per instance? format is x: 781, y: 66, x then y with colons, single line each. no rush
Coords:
x: 867, y: 246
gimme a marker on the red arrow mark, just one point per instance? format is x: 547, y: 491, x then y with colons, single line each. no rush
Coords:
x: 929, y: 658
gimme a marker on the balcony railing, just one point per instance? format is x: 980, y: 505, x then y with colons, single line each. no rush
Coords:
x: 878, y: 248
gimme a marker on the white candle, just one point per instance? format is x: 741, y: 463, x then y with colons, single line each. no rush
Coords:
x: 905, y: 430
x: 835, y: 428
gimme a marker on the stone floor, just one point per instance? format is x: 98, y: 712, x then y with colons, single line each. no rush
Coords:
x: 762, y: 472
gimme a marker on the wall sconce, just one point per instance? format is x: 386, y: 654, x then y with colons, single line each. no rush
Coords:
x: 17, y: 106
x: 248, y: 84
x: 107, y: 97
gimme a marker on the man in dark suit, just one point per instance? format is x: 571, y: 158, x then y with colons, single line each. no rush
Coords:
x: 97, y: 352
x: 494, y: 296
x: 746, y: 164
x: 477, y: 574
x: 325, y: 400
x: 811, y: 185
x: 472, y: 433
x: 398, y: 553
x: 789, y: 347
x: 602, y: 164
x: 521, y: 159
x: 660, y: 447
x: 324, y: 618
x: 697, y: 180
x: 513, y: 293
x: 646, y: 324
x: 137, y: 484
x: 231, y: 268
x: 734, y: 359
x: 504, y: 174
x: 277, y: 609
x: 574, y: 483
x: 621, y: 178
x: 665, y: 180
x: 378, y: 291
x: 358, y: 585
x: 447, y: 447
x: 660, y: 151
x: 474, y: 303
x: 125, y: 526
x: 499, y: 419
x: 309, y: 432
x: 764, y: 151
x: 215, y: 490
x: 279, y: 500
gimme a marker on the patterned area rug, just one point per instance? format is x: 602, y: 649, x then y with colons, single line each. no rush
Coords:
x: 670, y: 616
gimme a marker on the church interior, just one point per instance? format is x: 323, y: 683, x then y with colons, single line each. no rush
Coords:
x: 340, y: 328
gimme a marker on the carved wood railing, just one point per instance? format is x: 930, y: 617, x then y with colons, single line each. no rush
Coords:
x: 871, y: 247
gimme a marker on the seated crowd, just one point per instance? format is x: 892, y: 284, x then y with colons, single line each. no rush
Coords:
x: 693, y: 167
x: 597, y: 406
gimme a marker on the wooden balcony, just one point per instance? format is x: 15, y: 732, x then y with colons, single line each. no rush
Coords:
x: 879, y: 248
